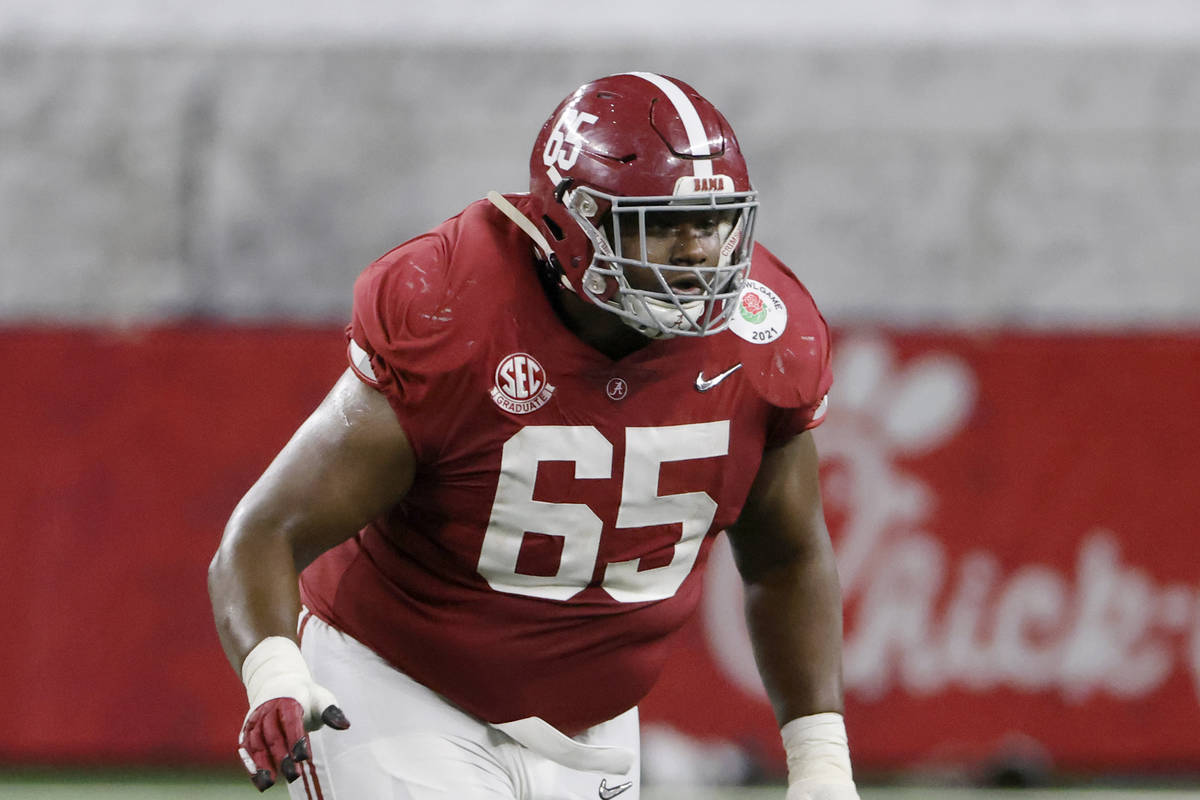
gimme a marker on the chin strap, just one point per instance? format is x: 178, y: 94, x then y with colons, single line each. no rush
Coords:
x: 526, y: 224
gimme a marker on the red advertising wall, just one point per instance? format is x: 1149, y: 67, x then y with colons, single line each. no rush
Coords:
x: 1015, y: 517
x: 1018, y: 539
x: 124, y: 452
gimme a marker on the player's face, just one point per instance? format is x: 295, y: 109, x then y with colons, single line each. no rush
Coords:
x: 678, y: 238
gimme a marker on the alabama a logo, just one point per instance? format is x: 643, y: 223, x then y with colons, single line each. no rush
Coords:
x: 521, y: 385
x: 761, y: 316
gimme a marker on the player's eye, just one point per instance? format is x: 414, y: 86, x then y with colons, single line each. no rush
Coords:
x: 659, y: 226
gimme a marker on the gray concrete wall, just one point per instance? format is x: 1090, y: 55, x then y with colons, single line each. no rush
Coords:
x: 1036, y: 183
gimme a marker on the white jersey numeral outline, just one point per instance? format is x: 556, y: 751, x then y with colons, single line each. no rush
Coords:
x: 515, y: 512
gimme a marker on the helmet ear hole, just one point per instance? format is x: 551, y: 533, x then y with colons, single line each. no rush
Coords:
x: 561, y: 189
x: 555, y: 231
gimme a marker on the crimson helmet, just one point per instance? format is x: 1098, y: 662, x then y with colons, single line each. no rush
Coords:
x: 624, y: 147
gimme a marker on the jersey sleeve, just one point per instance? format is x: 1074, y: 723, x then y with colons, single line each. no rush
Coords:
x: 792, y: 371
x: 785, y: 423
x: 403, y: 334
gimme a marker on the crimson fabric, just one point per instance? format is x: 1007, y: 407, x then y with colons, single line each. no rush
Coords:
x: 442, y: 317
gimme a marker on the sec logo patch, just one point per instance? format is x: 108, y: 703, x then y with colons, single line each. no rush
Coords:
x: 521, y: 385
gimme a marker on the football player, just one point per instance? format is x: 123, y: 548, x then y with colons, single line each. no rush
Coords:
x: 478, y: 548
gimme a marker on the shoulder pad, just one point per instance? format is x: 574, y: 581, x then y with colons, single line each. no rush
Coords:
x: 423, y: 308
x: 782, y: 339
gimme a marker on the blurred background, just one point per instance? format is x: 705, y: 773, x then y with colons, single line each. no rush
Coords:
x: 995, y: 205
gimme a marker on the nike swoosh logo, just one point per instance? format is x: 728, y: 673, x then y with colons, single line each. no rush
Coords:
x: 704, y: 384
x: 609, y: 792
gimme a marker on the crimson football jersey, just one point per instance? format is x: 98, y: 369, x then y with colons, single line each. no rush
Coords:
x: 564, y: 503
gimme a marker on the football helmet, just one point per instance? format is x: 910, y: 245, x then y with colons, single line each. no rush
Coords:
x: 637, y: 148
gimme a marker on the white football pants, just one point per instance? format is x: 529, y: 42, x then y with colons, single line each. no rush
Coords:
x: 406, y: 742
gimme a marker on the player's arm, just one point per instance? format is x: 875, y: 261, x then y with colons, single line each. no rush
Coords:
x: 346, y: 465
x: 794, y: 615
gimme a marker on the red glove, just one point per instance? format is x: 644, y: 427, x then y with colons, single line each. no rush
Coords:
x: 285, y: 703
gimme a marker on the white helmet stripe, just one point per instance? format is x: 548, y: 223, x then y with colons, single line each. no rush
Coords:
x: 697, y: 138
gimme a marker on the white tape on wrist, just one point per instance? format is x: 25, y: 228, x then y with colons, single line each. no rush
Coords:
x: 817, y: 749
x: 274, y: 668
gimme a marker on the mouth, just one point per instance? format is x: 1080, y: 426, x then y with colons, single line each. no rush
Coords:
x: 686, y: 286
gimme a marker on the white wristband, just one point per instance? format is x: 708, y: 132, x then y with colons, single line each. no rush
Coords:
x: 274, y: 665
x: 817, y: 749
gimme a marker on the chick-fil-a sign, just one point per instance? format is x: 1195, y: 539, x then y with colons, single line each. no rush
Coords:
x: 1019, y: 551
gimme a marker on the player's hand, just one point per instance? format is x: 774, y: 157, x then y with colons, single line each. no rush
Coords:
x: 816, y: 790
x: 285, y: 704
x: 275, y: 738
